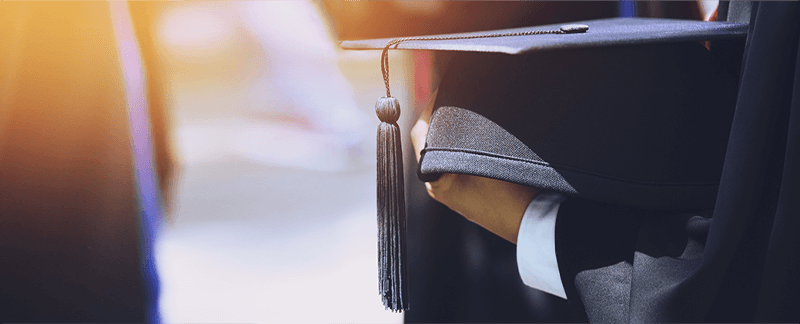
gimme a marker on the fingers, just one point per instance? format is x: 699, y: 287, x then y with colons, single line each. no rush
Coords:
x: 418, y: 135
x: 420, y: 130
x: 495, y: 205
x: 440, y: 190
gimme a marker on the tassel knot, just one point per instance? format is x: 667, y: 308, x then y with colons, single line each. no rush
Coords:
x: 388, y: 109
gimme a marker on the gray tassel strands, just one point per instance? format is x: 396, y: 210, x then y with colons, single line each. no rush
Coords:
x: 392, y: 284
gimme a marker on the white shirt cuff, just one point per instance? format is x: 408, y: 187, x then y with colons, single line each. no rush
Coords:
x: 536, y: 245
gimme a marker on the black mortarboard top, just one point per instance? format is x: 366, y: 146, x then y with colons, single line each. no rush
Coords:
x: 601, y: 33
x: 628, y: 111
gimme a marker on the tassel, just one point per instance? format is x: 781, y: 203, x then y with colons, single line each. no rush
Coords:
x: 392, y: 284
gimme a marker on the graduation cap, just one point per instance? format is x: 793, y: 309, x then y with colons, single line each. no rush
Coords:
x: 628, y: 111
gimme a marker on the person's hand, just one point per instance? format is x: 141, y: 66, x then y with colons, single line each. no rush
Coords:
x: 493, y: 204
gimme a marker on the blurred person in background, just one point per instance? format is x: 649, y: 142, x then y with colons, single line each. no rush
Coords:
x: 303, y: 80
x: 85, y: 165
x: 265, y: 86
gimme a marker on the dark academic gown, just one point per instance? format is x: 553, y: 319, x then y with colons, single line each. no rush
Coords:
x: 631, y: 260
x: 739, y: 263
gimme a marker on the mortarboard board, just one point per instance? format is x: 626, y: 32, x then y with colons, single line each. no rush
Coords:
x: 601, y: 33
x: 630, y: 111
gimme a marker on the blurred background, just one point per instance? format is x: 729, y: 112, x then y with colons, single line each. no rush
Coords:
x: 273, y: 129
